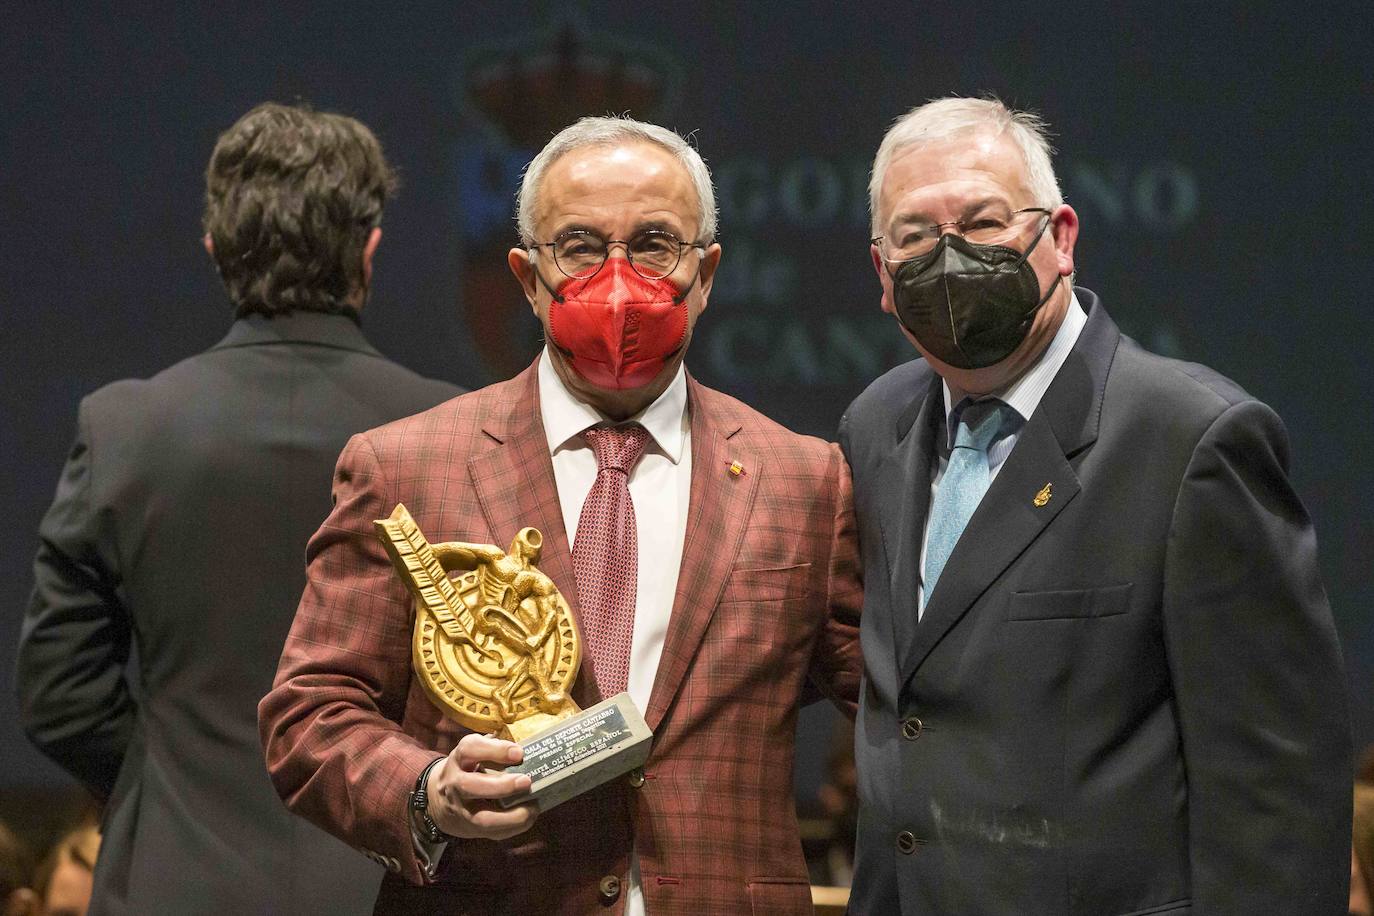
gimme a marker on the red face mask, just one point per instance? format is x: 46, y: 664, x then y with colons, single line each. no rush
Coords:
x: 617, y: 329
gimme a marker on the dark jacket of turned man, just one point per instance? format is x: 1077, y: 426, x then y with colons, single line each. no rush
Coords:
x: 172, y: 558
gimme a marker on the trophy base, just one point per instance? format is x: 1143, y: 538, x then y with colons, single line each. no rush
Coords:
x: 532, y: 726
x: 581, y: 752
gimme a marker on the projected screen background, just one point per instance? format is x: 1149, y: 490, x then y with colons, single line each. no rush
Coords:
x: 1217, y: 155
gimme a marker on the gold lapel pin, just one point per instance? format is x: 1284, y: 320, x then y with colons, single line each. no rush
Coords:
x: 1043, y: 496
x: 736, y: 469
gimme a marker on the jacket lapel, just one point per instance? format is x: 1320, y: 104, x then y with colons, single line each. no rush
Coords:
x: 903, y: 485
x: 1005, y: 523
x: 1032, y: 488
x: 717, y: 515
x: 515, y: 484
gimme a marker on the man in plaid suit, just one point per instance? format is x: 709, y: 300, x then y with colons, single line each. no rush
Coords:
x: 733, y: 535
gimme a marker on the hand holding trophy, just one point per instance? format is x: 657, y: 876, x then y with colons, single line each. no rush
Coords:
x: 496, y: 648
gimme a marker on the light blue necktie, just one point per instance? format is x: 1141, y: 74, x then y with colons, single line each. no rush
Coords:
x: 962, y: 487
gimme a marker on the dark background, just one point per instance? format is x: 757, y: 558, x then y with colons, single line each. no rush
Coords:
x: 1216, y: 153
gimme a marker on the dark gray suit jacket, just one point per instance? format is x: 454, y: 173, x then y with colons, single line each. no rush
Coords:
x: 1127, y: 700
x: 178, y: 532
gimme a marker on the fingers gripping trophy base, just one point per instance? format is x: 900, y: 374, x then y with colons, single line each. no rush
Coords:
x: 582, y: 752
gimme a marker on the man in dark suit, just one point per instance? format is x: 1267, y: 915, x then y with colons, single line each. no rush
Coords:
x: 179, y: 527
x: 1101, y: 675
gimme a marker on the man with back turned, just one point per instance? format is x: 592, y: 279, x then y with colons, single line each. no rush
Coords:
x: 1101, y: 675
x: 178, y: 529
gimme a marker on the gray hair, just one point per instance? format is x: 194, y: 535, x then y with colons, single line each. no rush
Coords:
x: 609, y: 131
x: 943, y: 118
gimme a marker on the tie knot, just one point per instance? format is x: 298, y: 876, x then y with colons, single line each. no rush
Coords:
x: 980, y: 423
x: 617, y: 447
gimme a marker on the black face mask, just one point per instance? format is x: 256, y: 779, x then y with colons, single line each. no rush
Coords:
x: 969, y: 305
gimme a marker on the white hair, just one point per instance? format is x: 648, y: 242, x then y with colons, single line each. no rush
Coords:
x: 943, y: 118
x: 609, y: 131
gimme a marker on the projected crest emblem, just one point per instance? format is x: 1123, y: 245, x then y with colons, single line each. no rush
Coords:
x: 521, y: 91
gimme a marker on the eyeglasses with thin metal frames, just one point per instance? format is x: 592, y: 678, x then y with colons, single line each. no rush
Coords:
x: 968, y: 229
x: 653, y: 253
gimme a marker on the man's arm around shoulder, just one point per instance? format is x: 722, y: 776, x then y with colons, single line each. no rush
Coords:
x: 837, y: 662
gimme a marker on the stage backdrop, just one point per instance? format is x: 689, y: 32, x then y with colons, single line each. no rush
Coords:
x: 1217, y: 154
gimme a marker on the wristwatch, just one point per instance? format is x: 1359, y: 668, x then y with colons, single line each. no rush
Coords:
x: 419, y: 803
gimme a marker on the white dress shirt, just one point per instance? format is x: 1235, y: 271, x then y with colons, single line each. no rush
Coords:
x: 660, y: 484
x: 1022, y: 396
x: 660, y: 487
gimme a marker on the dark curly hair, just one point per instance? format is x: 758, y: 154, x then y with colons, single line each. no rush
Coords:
x: 291, y: 196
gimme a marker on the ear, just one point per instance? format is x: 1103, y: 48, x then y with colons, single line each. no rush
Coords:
x: 374, y: 238
x: 1064, y: 226
x: 884, y: 280
x: 209, y: 244
x: 522, y: 266
x: 710, y: 260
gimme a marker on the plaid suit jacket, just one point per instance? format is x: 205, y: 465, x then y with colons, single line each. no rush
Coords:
x: 766, y: 613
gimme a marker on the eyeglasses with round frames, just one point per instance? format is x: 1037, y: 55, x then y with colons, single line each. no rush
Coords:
x: 980, y: 230
x: 653, y: 253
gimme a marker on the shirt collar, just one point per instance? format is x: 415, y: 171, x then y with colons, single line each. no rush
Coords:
x: 565, y: 417
x: 1024, y: 394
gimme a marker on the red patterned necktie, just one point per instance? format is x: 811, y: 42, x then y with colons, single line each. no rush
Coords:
x: 605, y: 556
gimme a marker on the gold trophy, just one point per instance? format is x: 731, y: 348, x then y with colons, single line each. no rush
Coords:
x: 496, y: 648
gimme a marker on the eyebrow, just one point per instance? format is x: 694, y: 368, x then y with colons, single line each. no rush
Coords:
x: 983, y: 204
x: 659, y: 225
x: 655, y: 224
x: 921, y: 218
x: 574, y: 227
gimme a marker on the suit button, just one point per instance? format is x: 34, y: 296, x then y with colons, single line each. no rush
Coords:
x: 911, y: 728
x: 636, y: 777
x: 609, y: 888
x: 907, y: 842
